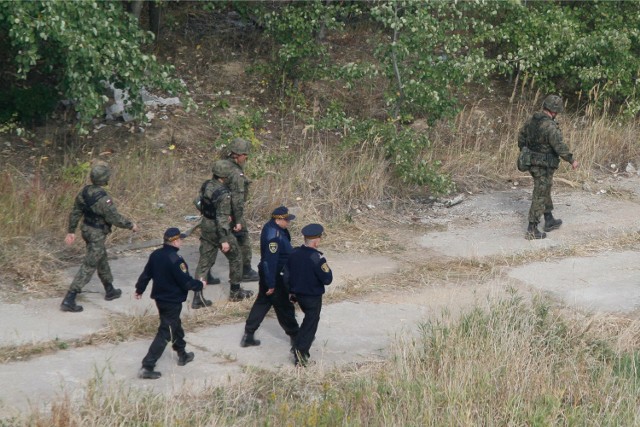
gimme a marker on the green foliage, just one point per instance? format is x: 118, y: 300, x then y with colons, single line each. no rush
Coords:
x: 77, y: 46
x: 589, y: 48
x: 76, y: 174
x: 27, y: 104
x: 406, y: 149
x: 430, y: 50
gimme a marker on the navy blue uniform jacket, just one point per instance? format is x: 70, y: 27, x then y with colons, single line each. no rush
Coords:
x: 275, y: 247
x: 308, y: 272
x: 170, y: 274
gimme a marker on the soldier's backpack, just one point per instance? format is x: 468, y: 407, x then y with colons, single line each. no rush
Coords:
x: 207, y: 204
x: 524, y: 159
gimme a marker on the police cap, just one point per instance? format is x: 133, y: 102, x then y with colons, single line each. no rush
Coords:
x: 282, y: 212
x: 312, y: 231
x: 172, y: 234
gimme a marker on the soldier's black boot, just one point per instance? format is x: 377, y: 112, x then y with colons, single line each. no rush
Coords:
x: 184, y: 358
x: 111, y: 293
x: 550, y: 223
x: 249, y: 274
x: 199, y: 301
x: 248, y: 340
x: 238, y: 294
x: 212, y: 280
x: 69, y: 303
x: 533, y: 233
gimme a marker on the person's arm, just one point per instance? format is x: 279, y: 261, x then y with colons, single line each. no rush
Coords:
x: 74, y: 219
x: 107, y: 209
x: 321, y: 269
x: 144, y: 278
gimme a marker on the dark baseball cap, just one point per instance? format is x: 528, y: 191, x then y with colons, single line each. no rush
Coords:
x: 312, y: 231
x: 172, y: 234
x: 282, y: 212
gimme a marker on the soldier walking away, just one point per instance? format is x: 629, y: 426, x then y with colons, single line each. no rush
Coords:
x: 99, y: 214
x: 214, y: 202
x: 239, y: 184
x: 543, y: 137
x: 275, y: 247
x: 171, y: 283
x: 308, y: 273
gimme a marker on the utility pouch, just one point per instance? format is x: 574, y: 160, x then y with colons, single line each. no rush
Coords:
x: 524, y: 159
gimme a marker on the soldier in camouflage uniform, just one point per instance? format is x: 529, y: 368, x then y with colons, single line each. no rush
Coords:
x: 543, y: 137
x: 216, y: 233
x: 239, y: 185
x: 99, y: 214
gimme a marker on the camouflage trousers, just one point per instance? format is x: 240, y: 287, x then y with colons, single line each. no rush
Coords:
x: 209, y: 246
x: 245, y: 246
x: 541, y: 200
x: 95, y: 259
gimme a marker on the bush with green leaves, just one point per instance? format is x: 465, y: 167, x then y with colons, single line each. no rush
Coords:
x: 74, y: 47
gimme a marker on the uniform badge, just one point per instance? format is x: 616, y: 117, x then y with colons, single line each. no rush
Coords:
x: 183, y: 267
x: 325, y: 267
x: 273, y: 247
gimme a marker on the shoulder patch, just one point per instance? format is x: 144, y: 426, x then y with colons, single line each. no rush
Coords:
x: 273, y: 247
x: 325, y: 267
x: 183, y: 267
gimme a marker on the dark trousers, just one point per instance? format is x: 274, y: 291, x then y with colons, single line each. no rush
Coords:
x: 170, y: 330
x: 311, y: 307
x: 279, y: 300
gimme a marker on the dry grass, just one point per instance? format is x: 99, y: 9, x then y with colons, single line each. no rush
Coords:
x: 509, y: 363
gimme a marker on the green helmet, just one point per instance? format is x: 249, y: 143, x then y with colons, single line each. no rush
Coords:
x: 221, y: 169
x: 239, y: 146
x: 100, y: 174
x: 553, y: 103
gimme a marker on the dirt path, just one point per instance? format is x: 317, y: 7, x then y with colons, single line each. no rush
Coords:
x: 590, y: 264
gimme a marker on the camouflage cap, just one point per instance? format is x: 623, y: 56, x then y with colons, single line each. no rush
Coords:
x: 240, y: 146
x: 553, y: 103
x: 100, y: 174
x: 221, y: 169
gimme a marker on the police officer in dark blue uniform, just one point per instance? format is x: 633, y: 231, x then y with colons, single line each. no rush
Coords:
x: 307, y: 273
x: 171, y: 283
x: 275, y: 247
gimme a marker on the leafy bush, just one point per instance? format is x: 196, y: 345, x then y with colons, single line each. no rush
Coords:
x: 78, y: 46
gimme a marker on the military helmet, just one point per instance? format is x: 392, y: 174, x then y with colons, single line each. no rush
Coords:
x: 100, y: 174
x: 553, y: 103
x: 221, y: 169
x: 239, y: 146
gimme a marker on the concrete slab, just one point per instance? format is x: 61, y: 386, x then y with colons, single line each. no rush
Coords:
x: 607, y: 282
x: 495, y: 224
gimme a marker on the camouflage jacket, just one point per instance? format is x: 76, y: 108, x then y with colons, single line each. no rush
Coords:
x: 543, y: 135
x: 96, y: 207
x: 218, y: 226
x: 239, y: 185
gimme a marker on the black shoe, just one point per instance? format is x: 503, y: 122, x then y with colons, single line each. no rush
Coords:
x: 533, y: 233
x: 148, y: 374
x: 248, y: 340
x: 250, y: 275
x: 212, y: 280
x: 239, y: 294
x: 69, y: 303
x: 550, y: 223
x: 185, y: 358
x: 300, y: 359
x: 111, y: 293
x: 199, y: 301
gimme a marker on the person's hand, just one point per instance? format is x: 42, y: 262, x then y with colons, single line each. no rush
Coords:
x: 574, y: 165
x: 270, y: 291
x: 225, y: 247
x: 204, y: 284
x: 137, y: 295
x: 70, y: 238
x: 135, y: 228
x: 237, y: 228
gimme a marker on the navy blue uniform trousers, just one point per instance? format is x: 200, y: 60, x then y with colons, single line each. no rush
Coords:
x: 170, y: 330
